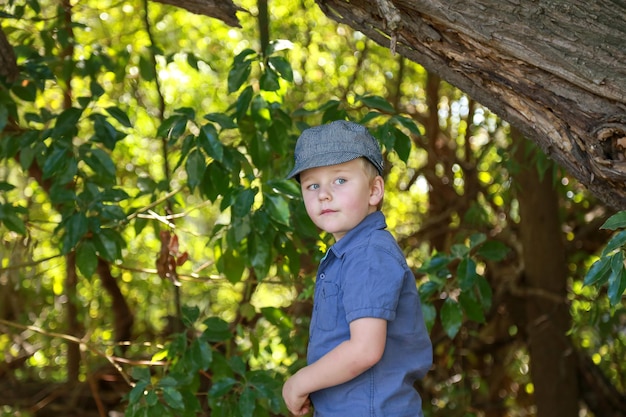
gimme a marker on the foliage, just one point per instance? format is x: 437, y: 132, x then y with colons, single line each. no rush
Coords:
x: 610, y: 268
x: 470, y: 294
x: 150, y: 144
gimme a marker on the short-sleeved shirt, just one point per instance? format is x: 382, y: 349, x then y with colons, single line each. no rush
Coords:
x: 365, y: 274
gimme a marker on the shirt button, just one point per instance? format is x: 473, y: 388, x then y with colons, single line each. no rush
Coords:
x: 322, y: 275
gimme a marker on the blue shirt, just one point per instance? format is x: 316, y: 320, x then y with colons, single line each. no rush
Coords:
x: 365, y: 274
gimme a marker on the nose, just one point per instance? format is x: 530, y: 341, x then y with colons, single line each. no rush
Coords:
x: 324, y: 193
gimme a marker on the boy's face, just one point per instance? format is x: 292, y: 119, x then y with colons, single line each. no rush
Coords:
x: 338, y: 197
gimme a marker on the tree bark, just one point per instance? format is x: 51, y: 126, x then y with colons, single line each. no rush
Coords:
x: 553, y: 69
x: 552, y: 360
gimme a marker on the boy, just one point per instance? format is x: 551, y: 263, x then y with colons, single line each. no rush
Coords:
x: 368, y: 342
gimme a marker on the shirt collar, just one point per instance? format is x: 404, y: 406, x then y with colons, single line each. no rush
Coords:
x: 373, y: 221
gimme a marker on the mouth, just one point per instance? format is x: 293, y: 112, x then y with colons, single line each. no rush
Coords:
x: 327, y: 211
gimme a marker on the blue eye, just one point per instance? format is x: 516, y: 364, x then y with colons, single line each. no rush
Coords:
x: 340, y: 180
x: 313, y: 187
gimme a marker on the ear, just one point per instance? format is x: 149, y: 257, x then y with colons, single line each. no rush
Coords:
x: 377, y: 190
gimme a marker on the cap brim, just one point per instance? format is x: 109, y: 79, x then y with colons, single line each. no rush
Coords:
x: 321, y: 161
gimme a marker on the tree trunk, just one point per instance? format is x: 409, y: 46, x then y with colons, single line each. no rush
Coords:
x: 552, y: 361
x: 554, y: 69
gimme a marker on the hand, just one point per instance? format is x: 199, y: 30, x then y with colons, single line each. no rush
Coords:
x: 298, y: 404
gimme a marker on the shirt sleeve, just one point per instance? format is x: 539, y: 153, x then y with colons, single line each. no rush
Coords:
x: 372, y: 279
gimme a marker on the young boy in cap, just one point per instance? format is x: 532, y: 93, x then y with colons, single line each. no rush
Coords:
x: 368, y: 342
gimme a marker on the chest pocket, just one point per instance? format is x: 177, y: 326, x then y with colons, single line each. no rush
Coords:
x: 327, y: 306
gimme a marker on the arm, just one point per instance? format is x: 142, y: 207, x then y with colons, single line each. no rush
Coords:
x: 345, y: 362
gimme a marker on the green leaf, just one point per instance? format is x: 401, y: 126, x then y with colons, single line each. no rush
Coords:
x: 269, y: 80
x: 173, y: 398
x: 222, y: 119
x: 222, y: 386
x: 137, y: 392
x: 466, y: 273
x: 243, y: 102
x: 617, y: 278
x: 599, y: 272
x: 617, y: 241
x: 260, y: 249
x: 282, y: 67
x: 209, y: 141
x: 243, y: 202
x: 201, y: 354
x: 277, y: 317
x: 119, y: 115
x: 102, y: 164
x: 146, y: 69
x: 451, y: 317
x: 86, y: 258
x: 109, y: 244
x: 214, y: 181
x: 190, y: 314
x: 247, y: 402
x: 232, y: 265
x: 459, y: 251
x: 616, y: 221
x: 217, y: 330
x: 66, y: 123
x: 476, y: 239
x: 377, y: 102
x: 195, y: 167
x: 402, y: 145
x: 493, y: 250
x: 472, y: 307
x: 141, y: 373
x: 26, y: 90
x: 105, y: 132
x: 8, y: 216
x: 55, y: 162
x: 430, y: 315
x: 436, y: 263
x: 75, y: 229
x: 238, y: 75
x: 172, y: 127
x: 484, y: 291
x: 278, y: 208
